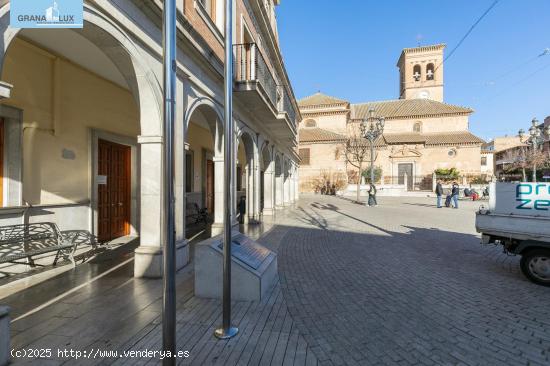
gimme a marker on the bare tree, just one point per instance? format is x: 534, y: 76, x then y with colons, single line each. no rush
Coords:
x: 518, y: 159
x: 357, y: 151
x: 525, y: 158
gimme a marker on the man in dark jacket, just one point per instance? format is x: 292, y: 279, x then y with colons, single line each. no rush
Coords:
x: 454, y: 194
x: 438, y: 193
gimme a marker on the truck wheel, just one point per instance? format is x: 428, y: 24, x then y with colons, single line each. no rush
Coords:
x: 535, y: 265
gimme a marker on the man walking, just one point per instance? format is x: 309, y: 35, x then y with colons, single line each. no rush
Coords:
x: 372, y: 195
x: 454, y: 194
x: 438, y: 193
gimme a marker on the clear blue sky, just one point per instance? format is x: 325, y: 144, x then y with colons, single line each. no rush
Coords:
x: 349, y: 49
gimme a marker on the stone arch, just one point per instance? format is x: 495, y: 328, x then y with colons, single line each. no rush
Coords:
x: 207, y: 111
x: 121, y: 50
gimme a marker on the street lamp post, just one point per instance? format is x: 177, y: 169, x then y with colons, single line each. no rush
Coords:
x: 371, y: 129
x: 536, y: 138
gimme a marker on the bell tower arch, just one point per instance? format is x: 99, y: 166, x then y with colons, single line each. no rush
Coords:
x: 421, y: 73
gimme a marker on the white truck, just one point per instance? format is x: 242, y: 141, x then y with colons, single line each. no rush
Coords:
x: 518, y: 217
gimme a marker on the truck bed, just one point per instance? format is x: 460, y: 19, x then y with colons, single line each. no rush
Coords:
x: 514, y: 226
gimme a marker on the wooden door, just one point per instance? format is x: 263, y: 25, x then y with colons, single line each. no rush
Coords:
x: 210, y: 186
x: 405, y: 169
x: 113, y: 190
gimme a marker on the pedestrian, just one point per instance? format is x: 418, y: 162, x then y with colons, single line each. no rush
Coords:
x: 242, y: 209
x: 454, y: 194
x: 439, y: 192
x: 372, y: 195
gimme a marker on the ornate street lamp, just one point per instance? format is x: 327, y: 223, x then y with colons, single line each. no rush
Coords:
x: 536, y: 138
x: 372, y: 128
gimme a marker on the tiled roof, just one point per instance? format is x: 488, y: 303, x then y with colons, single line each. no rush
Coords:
x: 319, y: 99
x: 407, y: 108
x: 315, y: 134
x: 436, y: 138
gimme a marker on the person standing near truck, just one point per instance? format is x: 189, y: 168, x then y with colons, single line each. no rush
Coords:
x: 439, y: 193
x: 454, y: 194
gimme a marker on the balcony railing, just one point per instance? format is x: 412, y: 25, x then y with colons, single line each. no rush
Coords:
x: 285, y: 104
x: 250, y: 66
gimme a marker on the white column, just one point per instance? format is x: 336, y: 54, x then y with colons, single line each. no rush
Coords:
x: 297, y: 185
x: 269, y: 190
x: 217, y: 226
x: 286, y: 183
x: 148, y: 256
x: 279, y: 188
x: 292, y: 186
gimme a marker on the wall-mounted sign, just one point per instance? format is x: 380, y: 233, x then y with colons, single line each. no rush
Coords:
x: 101, y: 179
x: 46, y: 13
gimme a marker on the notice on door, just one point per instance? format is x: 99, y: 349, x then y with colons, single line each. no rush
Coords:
x: 102, y: 179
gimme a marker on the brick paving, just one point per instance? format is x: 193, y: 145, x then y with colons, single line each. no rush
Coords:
x: 406, y: 283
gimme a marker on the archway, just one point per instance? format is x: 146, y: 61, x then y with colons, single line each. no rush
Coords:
x: 204, y: 164
x: 92, y: 108
x: 247, y: 177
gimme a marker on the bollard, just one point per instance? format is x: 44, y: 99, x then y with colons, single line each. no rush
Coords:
x: 4, y: 335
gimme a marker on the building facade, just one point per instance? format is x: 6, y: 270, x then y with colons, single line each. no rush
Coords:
x: 421, y: 134
x: 81, y: 121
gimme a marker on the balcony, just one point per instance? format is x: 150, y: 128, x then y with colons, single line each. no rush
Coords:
x: 256, y: 87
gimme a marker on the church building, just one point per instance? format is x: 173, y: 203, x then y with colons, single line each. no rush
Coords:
x: 421, y: 133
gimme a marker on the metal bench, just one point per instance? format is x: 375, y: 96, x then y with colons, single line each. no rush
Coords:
x: 25, y: 241
x: 198, y: 215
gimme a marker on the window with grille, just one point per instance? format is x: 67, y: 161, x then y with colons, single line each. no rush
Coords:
x: 484, y: 161
x: 304, y: 156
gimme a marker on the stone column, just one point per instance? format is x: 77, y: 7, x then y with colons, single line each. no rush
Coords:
x: 219, y: 177
x: 286, y: 183
x: 279, y: 190
x: 297, y: 185
x: 269, y: 190
x: 257, y: 182
x: 148, y: 256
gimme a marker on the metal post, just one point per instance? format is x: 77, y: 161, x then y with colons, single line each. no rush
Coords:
x: 227, y: 331
x: 371, y: 161
x: 535, y: 149
x: 169, y: 252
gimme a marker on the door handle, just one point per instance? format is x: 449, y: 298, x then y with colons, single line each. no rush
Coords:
x: 120, y: 203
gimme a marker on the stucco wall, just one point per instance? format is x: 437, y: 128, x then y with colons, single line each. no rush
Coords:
x: 56, y: 146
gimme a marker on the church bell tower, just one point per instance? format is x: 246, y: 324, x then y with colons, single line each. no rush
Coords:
x: 421, y: 73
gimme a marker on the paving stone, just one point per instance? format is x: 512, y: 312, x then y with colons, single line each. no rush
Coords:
x: 407, y: 283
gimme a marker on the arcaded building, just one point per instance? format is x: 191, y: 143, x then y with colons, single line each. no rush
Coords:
x: 81, y: 121
x: 422, y: 133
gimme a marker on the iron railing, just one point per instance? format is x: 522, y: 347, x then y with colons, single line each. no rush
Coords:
x: 250, y: 66
x: 285, y: 104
